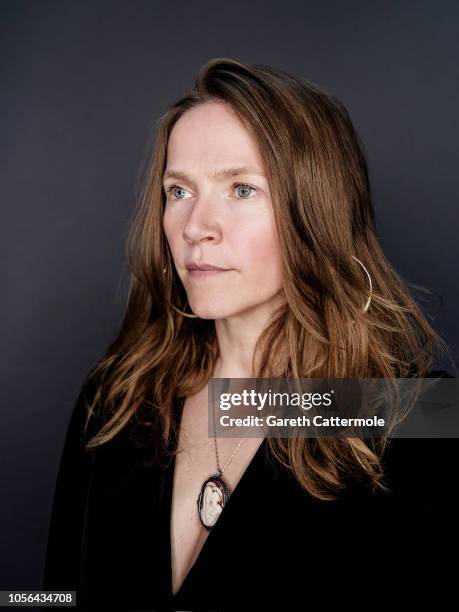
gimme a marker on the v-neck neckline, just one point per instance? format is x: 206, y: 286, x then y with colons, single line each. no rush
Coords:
x: 213, y: 533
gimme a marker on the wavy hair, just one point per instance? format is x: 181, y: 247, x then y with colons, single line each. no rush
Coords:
x: 319, y: 185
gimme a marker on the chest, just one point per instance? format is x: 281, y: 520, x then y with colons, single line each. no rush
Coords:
x: 195, y: 462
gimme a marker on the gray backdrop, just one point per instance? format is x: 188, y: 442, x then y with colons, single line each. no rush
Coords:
x: 82, y: 84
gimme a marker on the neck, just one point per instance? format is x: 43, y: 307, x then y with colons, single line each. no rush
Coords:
x: 237, y: 336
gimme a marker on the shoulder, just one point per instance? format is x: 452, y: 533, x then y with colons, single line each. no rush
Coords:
x: 439, y: 374
x: 76, y: 431
x: 418, y: 471
x: 421, y: 464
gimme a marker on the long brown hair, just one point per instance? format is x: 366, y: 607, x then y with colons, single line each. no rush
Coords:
x: 320, y: 192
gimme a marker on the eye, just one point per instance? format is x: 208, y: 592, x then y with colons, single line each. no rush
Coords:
x: 172, y: 188
x: 245, y: 186
x: 245, y: 189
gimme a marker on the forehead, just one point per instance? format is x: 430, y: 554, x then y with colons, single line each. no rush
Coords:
x: 209, y: 137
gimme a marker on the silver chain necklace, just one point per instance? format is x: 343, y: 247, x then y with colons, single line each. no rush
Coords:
x: 215, y: 491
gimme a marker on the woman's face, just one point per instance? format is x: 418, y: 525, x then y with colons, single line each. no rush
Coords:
x: 210, y: 219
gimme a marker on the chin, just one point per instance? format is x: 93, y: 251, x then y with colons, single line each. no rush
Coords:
x: 205, y: 311
x: 208, y: 313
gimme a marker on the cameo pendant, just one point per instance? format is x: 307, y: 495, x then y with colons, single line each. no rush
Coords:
x: 212, y: 499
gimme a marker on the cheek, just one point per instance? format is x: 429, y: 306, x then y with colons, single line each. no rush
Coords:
x: 167, y: 224
x: 171, y: 230
x: 259, y: 251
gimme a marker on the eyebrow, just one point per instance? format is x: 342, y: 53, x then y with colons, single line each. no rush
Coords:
x: 222, y: 173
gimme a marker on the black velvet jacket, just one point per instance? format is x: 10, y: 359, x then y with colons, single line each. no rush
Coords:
x: 273, y: 547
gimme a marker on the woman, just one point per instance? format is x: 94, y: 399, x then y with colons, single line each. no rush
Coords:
x: 260, y: 174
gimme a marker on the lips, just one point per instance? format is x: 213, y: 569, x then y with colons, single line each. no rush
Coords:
x: 203, y: 270
x: 206, y: 273
x: 206, y: 267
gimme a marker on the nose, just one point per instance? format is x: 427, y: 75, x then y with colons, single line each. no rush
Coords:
x: 203, y: 223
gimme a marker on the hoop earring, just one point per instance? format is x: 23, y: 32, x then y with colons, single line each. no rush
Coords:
x: 184, y: 314
x: 367, y: 305
x: 369, y: 279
